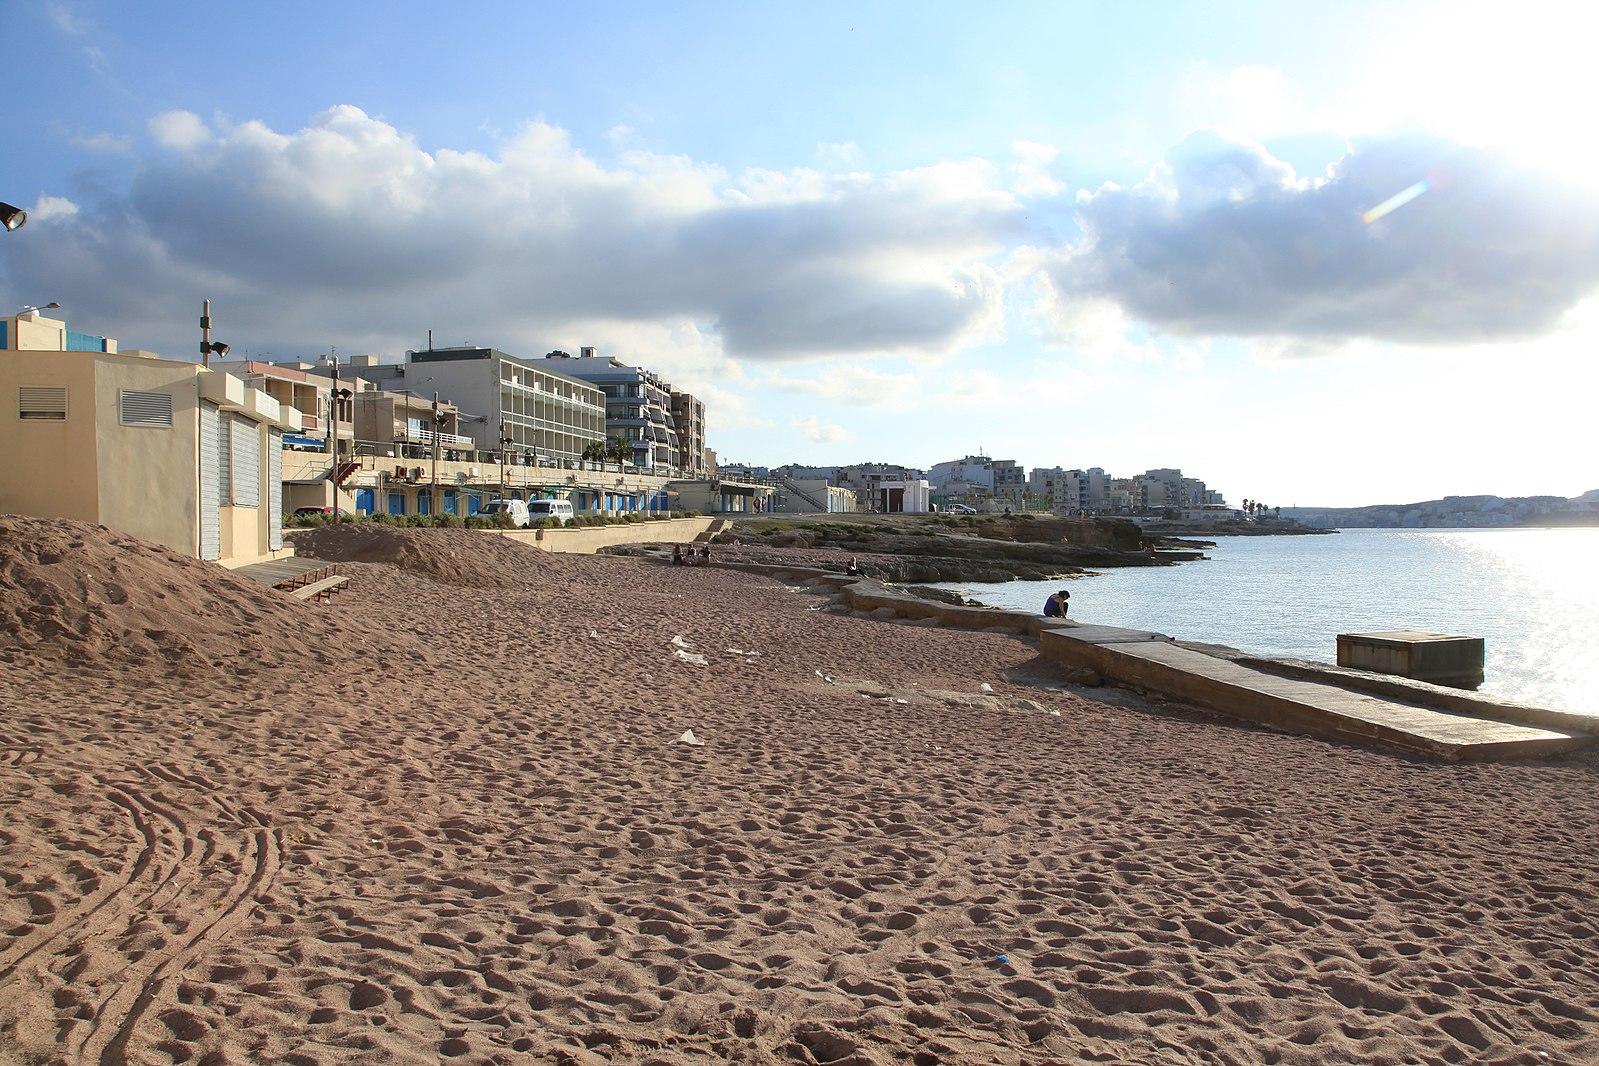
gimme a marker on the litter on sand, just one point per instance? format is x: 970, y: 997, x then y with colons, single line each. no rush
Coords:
x: 745, y: 654
x: 688, y: 657
x: 987, y: 687
x: 689, y: 739
x: 679, y: 642
x: 824, y: 677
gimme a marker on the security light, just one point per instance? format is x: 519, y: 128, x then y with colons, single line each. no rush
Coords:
x: 12, y: 217
x: 217, y: 348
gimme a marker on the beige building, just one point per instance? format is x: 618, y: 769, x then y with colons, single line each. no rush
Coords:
x: 164, y: 449
x: 688, y: 415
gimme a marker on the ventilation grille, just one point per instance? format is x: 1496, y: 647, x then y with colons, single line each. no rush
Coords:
x: 151, y: 409
x: 42, y: 401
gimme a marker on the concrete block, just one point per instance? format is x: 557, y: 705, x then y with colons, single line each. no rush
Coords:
x: 1436, y: 657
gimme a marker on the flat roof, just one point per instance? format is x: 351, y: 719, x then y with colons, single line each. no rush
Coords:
x: 446, y: 355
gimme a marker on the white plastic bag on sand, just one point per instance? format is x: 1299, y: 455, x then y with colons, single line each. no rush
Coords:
x: 688, y: 657
x: 690, y: 739
x: 679, y: 642
x: 987, y: 687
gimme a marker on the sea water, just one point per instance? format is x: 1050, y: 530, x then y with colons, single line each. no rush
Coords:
x: 1532, y: 594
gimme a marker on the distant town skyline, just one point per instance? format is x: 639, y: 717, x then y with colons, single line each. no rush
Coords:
x: 1327, y: 256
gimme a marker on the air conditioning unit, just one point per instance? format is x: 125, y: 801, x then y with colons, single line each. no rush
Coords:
x: 476, y: 471
x: 416, y: 473
x: 399, y: 473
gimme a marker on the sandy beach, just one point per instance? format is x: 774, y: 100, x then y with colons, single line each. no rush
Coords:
x: 448, y: 818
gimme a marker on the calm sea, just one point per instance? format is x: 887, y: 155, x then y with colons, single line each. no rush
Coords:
x: 1532, y: 593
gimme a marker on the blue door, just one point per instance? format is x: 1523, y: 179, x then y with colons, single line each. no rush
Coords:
x: 474, y: 504
x: 450, y: 501
x: 424, y: 502
x: 365, y: 500
x: 396, y: 503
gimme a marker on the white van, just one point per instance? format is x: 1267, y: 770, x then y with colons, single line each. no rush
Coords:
x: 515, y: 508
x: 560, y: 510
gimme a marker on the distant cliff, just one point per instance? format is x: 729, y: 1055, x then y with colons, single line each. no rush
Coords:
x: 1458, y: 512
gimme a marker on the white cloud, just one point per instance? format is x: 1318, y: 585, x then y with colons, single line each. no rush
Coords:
x: 839, y: 155
x: 52, y: 208
x: 1031, y: 169
x: 349, y: 229
x: 66, y: 19
x: 180, y: 130
x: 816, y: 431
x: 1222, y: 239
x: 108, y: 143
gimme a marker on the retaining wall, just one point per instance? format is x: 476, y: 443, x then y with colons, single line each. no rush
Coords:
x: 587, y: 540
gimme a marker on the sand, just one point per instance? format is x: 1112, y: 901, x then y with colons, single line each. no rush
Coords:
x: 470, y: 837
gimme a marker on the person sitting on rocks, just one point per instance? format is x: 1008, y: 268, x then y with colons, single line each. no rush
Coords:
x: 1056, y: 606
x: 852, y: 568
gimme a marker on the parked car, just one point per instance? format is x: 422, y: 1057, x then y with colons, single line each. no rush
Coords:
x: 306, y: 512
x: 517, y: 509
x: 560, y: 510
x: 961, y: 508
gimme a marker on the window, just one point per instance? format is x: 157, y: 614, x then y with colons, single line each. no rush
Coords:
x: 46, y: 402
x: 152, y: 410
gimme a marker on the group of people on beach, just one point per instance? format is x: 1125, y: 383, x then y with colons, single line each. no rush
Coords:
x: 684, y: 555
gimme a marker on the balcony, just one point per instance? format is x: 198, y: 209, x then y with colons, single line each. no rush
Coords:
x: 446, y: 440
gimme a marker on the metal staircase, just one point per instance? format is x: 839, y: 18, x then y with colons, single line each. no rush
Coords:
x: 788, y: 484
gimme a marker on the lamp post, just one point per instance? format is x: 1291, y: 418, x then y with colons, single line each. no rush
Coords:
x: 12, y: 218
x: 505, y: 444
x: 335, y: 394
x: 436, y: 421
x: 208, y: 347
x: 31, y: 308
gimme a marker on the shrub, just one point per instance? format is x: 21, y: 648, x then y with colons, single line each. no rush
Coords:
x: 448, y: 521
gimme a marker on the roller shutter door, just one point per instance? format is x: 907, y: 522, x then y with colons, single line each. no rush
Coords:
x: 274, y: 489
x: 245, y: 459
x: 210, y: 483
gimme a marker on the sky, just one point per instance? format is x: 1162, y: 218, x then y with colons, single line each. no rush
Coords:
x: 1315, y: 255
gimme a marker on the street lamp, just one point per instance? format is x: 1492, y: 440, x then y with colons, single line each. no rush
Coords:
x: 505, y: 444
x: 51, y: 306
x: 12, y: 217
x: 209, y: 347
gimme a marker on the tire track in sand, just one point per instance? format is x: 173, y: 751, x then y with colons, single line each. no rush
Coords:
x: 117, y: 1017
x: 109, y: 907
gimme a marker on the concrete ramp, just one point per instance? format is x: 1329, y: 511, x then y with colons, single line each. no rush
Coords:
x: 1155, y: 662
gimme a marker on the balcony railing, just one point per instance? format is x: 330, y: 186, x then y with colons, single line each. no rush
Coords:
x: 448, y: 440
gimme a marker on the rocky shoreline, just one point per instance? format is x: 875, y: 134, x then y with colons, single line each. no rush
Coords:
x: 944, y: 548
